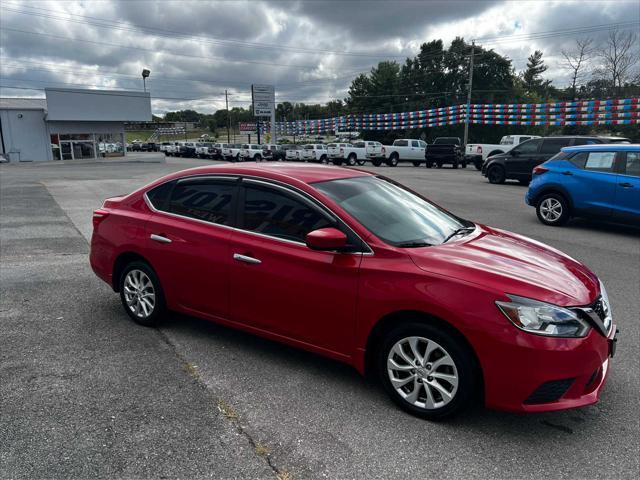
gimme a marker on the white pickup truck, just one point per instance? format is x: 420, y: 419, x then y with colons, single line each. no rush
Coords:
x: 251, y: 151
x: 477, y: 153
x: 403, y: 150
x: 232, y: 152
x: 354, y: 153
x: 294, y: 154
x: 315, y: 152
x: 202, y: 149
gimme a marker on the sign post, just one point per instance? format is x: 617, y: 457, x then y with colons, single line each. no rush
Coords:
x: 264, y: 105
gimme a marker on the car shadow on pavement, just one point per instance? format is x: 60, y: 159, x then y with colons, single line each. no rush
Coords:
x: 338, y: 378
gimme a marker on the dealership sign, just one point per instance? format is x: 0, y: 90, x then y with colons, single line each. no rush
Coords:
x: 248, y: 127
x: 264, y: 100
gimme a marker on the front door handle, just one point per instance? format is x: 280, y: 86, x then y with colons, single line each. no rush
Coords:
x: 159, y: 238
x: 567, y: 173
x: 626, y: 185
x: 246, y: 259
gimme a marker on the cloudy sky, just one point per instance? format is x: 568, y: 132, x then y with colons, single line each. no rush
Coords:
x: 309, y: 49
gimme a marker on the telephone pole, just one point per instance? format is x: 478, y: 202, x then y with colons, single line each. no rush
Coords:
x: 467, y: 116
x: 226, y: 100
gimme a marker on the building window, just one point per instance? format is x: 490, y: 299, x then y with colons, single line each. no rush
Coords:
x: 55, y: 146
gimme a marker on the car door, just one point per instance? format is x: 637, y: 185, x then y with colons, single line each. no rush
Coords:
x: 627, y: 201
x: 188, y: 240
x: 518, y: 159
x: 281, y: 286
x: 416, y: 152
x: 592, y: 185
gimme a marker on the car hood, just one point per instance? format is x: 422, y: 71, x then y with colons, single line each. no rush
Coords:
x: 511, y: 263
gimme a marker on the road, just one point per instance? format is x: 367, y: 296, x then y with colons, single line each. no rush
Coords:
x: 85, y: 392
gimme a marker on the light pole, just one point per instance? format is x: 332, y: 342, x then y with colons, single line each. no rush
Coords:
x: 145, y: 74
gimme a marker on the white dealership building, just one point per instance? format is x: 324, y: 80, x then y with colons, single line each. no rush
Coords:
x: 69, y: 124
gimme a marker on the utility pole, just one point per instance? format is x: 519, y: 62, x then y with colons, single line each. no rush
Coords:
x: 467, y: 116
x: 226, y: 100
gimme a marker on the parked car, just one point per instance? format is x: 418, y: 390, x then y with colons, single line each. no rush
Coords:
x: 202, y: 149
x: 215, y: 151
x: 518, y: 163
x: 477, y: 153
x: 315, y: 152
x: 294, y: 153
x: 404, y: 150
x: 444, y: 310
x: 445, y: 150
x: 136, y: 146
x: 251, y: 151
x: 187, y: 149
x: 232, y: 152
x: 163, y: 146
x: 599, y: 181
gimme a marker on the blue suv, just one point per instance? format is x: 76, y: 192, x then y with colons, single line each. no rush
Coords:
x: 600, y: 181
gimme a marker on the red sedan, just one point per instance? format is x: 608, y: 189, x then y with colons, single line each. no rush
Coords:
x: 356, y: 267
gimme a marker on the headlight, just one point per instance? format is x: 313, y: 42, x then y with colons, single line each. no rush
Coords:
x: 543, y: 318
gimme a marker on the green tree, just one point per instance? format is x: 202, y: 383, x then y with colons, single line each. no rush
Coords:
x: 535, y: 86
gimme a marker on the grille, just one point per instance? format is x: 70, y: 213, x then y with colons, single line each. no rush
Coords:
x: 598, y: 315
x: 550, y: 391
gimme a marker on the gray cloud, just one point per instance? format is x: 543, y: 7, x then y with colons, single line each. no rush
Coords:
x: 238, y: 33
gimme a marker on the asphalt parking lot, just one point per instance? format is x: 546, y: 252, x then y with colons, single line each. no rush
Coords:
x: 85, y: 392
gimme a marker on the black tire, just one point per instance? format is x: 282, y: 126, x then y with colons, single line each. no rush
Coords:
x: 257, y: 158
x: 376, y: 162
x: 439, y: 164
x: 352, y: 159
x: 392, y: 161
x: 337, y: 161
x: 429, y: 164
x: 416, y: 163
x: 464, y: 164
x: 159, y: 311
x: 478, y: 164
x: 496, y: 174
x: 455, y: 164
x: 463, y: 359
x: 549, y: 200
x: 237, y: 157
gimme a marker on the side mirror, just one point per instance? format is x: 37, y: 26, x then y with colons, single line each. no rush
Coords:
x: 326, y: 239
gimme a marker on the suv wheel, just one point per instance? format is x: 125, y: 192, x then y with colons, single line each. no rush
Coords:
x: 496, y: 174
x: 141, y: 294
x: 427, y: 371
x: 392, y: 161
x: 553, y: 209
x: 351, y: 159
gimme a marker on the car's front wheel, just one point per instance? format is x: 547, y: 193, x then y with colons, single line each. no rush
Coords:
x: 552, y: 209
x: 141, y: 294
x: 427, y: 371
x: 496, y: 174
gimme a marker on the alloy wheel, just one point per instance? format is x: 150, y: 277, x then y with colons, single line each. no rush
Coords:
x: 551, y: 209
x: 422, y: 372
x: 139, y: 293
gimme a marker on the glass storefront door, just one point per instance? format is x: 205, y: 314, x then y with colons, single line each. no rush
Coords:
x: 77, y: 146
x: 65, y: 148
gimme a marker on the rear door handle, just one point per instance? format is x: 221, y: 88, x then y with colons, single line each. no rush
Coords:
x: 626, y: 185
x: 246, y: 259
x: 159, y: 238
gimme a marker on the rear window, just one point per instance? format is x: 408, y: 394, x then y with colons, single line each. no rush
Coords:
x: 401, y: 143
x: 159, y: 195
x: 553, y: 145
x: 331, y: 145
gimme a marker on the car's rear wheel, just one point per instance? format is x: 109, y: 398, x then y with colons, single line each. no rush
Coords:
x: 427, y: 371
x: 496, y: 174
x: 375, y: 162
x: 257, y: 158
x: 553, y: 209
x: 392, y: 161
x: 323, y: 159
x: 141, y: 294
x: 351, y: 160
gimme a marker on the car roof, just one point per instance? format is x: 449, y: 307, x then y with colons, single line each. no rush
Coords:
x: 609, y: 147
x: 305, y: 173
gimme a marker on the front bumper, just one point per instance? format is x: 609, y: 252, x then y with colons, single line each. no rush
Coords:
x: 533, y: 373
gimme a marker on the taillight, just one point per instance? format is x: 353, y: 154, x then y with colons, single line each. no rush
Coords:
x: 540, y: 170
x: 342, y: 150
x: 382, y: 150
x: 479, y: 149
x: 98, y: 216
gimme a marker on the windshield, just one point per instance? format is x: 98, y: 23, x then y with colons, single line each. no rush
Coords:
x: 392, y: 213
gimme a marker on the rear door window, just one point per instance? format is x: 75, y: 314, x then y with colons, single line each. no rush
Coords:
x: 208, y: 200
x: 415, y: 143
x: 553, y: 145
x: 159, y: 196
x: 528, y: 147
x: 401, y: 143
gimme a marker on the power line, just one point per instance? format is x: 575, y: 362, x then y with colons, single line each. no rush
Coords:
x: 557, y: 33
